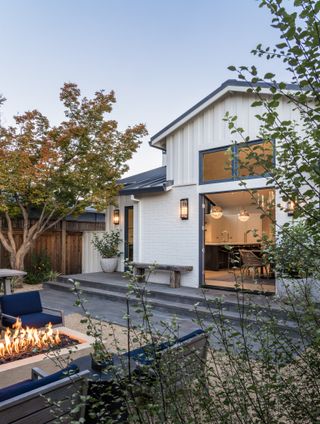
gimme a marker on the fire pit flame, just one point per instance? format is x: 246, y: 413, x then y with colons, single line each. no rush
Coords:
x: 18, y: 339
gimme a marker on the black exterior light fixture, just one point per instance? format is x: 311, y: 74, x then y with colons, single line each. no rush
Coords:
x: 184, y: 209
x: 116, y: 217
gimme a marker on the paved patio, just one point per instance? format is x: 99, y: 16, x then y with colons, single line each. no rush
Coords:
x: 108, y: 310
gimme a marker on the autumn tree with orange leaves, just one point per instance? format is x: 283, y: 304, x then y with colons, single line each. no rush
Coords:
x: 60, y: 170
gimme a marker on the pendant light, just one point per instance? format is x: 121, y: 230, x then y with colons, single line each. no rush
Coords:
x: 243, y: 215
x: 216, y: 212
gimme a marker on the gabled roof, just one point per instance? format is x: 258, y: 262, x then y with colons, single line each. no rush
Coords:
x: 152, y: 181
x: 158, y: 140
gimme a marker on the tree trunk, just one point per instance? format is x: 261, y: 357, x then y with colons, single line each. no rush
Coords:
x: 17, y: 262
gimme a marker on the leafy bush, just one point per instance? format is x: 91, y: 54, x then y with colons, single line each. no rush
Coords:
x: 255, y: 372
x: 293, y: 252
x: 107, y: 244
x: 40, y: 269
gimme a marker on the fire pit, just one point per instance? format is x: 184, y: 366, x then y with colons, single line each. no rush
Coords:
x: 19, y: 343
x: 22, y: 349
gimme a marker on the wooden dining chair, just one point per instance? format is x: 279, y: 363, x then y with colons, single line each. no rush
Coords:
x: 249, y: 260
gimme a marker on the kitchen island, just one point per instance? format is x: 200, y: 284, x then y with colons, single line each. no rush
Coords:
x: 219, y: 255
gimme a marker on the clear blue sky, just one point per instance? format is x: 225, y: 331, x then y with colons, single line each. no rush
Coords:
x: 160, y: 56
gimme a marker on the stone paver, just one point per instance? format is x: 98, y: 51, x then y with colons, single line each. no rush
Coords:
x: 106, y: 310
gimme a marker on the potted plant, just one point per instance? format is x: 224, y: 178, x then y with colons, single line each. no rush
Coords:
x: 108, y: 247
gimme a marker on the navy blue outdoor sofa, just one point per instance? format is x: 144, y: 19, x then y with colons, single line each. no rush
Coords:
x: 27, y: 306
x: 28, y: 400
x: 145, y: 355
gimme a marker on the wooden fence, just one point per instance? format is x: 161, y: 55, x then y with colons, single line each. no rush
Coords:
x: 63, y: 245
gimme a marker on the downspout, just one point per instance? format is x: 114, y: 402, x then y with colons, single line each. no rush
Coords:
x: 137, y: 224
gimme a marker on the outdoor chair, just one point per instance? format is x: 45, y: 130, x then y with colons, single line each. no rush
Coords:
x: 249, y: 260
x: 178, y: 363
x: 27, y: 306
x: 31, y: 401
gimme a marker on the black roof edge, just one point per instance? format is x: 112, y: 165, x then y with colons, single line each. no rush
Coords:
x: 127, y: 192
x: 227, y: 83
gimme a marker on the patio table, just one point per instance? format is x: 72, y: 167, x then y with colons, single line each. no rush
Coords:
x: 5, y: 278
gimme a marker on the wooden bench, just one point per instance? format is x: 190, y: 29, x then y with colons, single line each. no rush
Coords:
x: 175, y: 271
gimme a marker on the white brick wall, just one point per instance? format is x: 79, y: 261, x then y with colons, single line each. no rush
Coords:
x: 165, y: 238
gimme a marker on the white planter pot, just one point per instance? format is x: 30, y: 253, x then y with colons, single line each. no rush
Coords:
x: 298, y: 287
x: 109, y: 264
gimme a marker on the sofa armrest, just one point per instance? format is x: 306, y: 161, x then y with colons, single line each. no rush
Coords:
x: 52, y: 309
x: 37, y: 373
x: 8, y: 316
x: 47, y: 308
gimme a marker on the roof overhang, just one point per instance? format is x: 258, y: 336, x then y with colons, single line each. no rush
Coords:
x: 153, y: 181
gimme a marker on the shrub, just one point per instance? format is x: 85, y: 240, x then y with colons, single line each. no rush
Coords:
x: 39, y: 270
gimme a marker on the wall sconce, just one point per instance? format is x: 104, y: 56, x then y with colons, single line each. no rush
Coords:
x: 184, y: 208
x: 116, y: 217
x: 290, y: 207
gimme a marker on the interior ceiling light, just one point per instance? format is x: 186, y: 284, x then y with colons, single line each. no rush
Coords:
x: 216, y: 212
x: 243, y: 215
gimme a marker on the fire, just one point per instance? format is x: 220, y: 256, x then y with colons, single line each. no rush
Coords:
x: 19, y: 339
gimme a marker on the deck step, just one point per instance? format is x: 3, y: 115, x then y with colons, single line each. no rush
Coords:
x: 185, y: 296
x: 171, y: 304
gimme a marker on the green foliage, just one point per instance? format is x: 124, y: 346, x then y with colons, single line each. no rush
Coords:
x: 61, y: 169
x: 107, y: 244
x: 40, y: 269
x: 296, y: 171
x: 291, y: 258
x: 255, y: 371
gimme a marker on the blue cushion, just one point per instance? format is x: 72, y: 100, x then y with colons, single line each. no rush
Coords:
x: 182, y: 339
x: 28, y: 385
x: 36, y: 320
x: 21, y: 303
x: 145, y: 354
x: 190, y: 335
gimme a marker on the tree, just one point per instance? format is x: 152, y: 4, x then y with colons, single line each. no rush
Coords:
x: 60, y: 170
x: 296, y: 173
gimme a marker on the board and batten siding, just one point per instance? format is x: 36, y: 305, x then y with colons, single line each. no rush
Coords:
x: 90, y: 256
x: 208, y: 130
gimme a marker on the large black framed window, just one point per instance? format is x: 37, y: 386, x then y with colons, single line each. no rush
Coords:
x: 236, y: 162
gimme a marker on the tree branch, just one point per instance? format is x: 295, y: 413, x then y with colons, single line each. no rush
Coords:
x: 5, y: 242
x: 10, y: 233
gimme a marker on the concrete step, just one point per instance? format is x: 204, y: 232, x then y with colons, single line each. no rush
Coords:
x: 203, y: 311
x: 187, y: 297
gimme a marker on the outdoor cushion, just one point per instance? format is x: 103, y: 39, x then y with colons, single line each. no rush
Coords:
x: 21, y: 303
x: 144, y: 354
x: 37, y: 320
x: 28, y: 385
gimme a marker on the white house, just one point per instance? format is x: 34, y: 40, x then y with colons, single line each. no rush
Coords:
x: 195, y: 181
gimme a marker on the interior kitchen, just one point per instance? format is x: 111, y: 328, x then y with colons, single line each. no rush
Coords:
x: 236, y: 225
